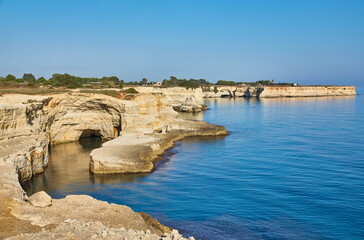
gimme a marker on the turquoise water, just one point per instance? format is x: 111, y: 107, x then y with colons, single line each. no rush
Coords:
x: 292, y: 168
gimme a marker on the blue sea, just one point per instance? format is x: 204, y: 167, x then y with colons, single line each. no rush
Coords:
x: 291, y: 168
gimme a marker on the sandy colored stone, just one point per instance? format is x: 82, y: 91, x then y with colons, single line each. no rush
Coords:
x: 40, y: 199
x: 135, y: 153
x: 82, y: 230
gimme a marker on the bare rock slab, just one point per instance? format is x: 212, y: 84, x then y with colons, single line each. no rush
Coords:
x: 40, y: 199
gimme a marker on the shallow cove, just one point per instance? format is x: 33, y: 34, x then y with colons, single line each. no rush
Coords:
x: 291, y: 169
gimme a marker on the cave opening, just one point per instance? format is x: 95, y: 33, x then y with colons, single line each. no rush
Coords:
x: 89, y: 133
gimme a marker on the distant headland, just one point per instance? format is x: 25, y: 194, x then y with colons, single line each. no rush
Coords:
x: 114, y: 86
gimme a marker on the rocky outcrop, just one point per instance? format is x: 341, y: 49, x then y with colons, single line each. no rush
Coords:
x: 136, y: 152
x: 181, y: 99
x: 190, y: 105
x: 40, y: 199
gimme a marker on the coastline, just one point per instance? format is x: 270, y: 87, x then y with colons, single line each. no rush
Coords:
x: 120, y: 156
x: 29, y: 157
x: 31, y: 123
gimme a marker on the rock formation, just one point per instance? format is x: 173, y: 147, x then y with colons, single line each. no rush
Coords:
x: 181, y: 99
x: 29, y: 124
x: 136, y: 153
x: 40, y: 199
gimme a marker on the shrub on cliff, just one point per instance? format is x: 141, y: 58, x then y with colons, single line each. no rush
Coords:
x: 191, y: 83
x: 226, y: 83
x: 10, y: 78
x: 29, y: 78
x: 131, y: 90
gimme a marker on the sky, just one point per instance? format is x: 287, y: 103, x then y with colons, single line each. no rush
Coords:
x: 301, y: 41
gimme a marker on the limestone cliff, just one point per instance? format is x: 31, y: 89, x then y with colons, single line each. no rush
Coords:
x: 305, y: 91
x: 136, y: 153
x: 29, y: 124
x: 76, y: 115
x: 278, y: 91
x: 181, y: 99
x: 23, y: 137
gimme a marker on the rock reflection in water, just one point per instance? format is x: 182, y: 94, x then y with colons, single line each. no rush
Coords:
x: 67, y: 168
x: 68, y: 171
x: 115, y: 178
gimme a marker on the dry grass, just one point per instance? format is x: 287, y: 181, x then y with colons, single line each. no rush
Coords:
x: 32, y: 91
x: 111, y: 93
x: 21, y: 88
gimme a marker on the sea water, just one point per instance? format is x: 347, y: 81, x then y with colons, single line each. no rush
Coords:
x: 291, y: 168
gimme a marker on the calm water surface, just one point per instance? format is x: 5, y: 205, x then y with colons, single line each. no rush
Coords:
x: 292, y: 168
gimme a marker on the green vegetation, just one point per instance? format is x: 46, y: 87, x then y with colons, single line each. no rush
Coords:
x: 226, y: 83
x: 69, y: 81
x: 28, y: 78
x: 215, y: 90
x: 191, y: 83
x: 257, y: 83
x: 130, y: 90
x: 65, y: 80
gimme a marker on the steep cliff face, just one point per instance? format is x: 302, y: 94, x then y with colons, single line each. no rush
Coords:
x: 154, y: 110
x: 28, y: 124
x: 181, y: 99
x: 23, y: 138
x: 81, y: 115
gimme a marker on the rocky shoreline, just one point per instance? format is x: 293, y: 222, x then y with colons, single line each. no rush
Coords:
x: 137, y: 153
x: 139, y: 130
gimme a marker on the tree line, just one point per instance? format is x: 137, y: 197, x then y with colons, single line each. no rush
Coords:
x: 70, y: 81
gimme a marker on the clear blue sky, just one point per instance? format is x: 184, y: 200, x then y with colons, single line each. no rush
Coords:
x: 304, y: 41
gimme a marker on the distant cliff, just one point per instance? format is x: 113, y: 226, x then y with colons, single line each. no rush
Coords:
x: 279, y: 91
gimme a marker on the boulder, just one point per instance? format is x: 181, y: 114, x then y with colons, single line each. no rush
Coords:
x: 40, y: 199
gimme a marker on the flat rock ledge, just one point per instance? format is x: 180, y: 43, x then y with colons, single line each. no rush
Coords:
x: 72, y: 229
x: 135, y: 152
x: 83, y: 217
